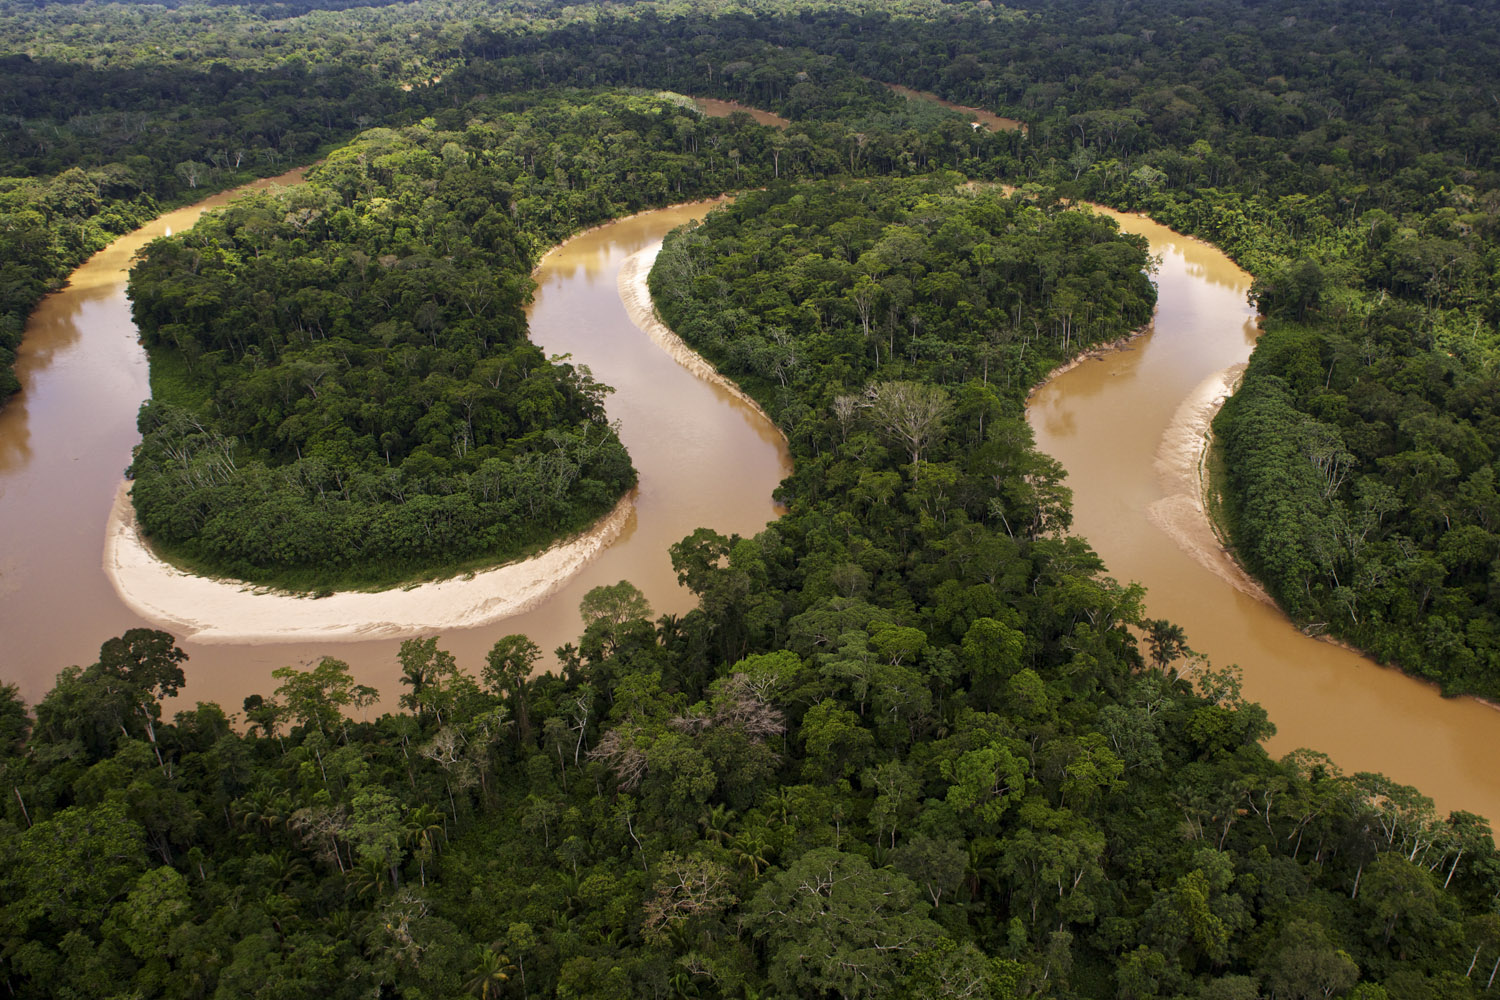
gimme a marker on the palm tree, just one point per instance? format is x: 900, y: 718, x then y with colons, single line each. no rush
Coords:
x: 263, y: 809
x: 369, y: 877
x: 715, y: 822
x: 426, y: 829
x: 492, y: 970
x: 751, y: 850
x: 286, y: 867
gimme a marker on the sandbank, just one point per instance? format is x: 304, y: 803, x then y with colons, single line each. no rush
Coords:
x: 209, y: 610
x: 212, y: 610
x: 1181, y: 468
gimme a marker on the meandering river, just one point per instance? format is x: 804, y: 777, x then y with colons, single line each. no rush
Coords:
x: 1126, y: 426
x: 705, y: 458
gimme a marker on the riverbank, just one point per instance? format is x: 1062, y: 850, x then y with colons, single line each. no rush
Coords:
x: 715, y: 108
x: 217, y: 611
x: 635, y: 292
x: 1185, y: 464
x: 977, y: 116
x: 557, y: 248
x: 223, y: 611
x: 1092, y: 354
x: 1182, y: 511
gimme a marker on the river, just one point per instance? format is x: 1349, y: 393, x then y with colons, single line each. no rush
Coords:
x: 705, y: 458
x: 1128, y: 428
x: 715, y: 108
x: 1125, y: 426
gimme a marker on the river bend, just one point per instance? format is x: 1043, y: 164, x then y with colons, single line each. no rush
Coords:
x: 1128, y: 427
x: 706, y: 458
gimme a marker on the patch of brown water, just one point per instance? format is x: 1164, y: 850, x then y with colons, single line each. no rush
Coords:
x: 989, y: 120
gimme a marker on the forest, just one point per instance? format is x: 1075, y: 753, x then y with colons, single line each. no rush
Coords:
x: 914, y: 741
x: 1361, y: 483
x: 342, y: 391
x: 811, y: 292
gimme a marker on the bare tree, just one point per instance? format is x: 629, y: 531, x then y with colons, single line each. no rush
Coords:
x: 845, y: 408
x: 913, y: 413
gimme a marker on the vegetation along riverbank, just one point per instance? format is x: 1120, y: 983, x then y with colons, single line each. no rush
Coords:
x: 914, y: 739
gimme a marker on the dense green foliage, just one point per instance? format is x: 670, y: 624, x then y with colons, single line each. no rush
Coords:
x: 806, y: 293
x: 343, y: 388
x: 1263, y: 127
x: 909, y: 743
x: 48, y: 228
x: 1361, y: 482
x: 928, y: 785
x: 89, y: 153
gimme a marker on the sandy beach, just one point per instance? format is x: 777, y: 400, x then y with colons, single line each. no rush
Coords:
x: 1181, y: 468
x: 209, y: 610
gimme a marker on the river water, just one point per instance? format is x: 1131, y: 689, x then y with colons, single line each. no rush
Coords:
x: 715, y: 108
x: 1127, y: 427
x: 705, y: 458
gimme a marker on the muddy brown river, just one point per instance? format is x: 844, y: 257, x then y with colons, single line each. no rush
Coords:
x: 705, y: 458
x: 715, y: 108
x: 1126, y: 426
x: 990, y: 120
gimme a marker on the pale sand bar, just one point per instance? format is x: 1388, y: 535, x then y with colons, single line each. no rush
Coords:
x: 209, y: 610
x: 636, y: 295
x: 1181, y: 462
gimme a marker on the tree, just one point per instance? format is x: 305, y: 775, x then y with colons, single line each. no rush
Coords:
x: 833, y: 924
x: 1200, y: 915
x: 490, y: 972
x: 117, y: 697
x: 145, y: 919
x: 614, y: 604
x: 837, y: 745
x: 146, y: 659
x: 1401, y: 900
x: 609, y: 615
x: 985, y: 782
x: 192, y: 172
x: 1305, y: 965
x: 914, y: 413
x: 1167, y: 642
x: 687, y: 888
x: 433, y: 676
x: 316, y: 698
x: 15, y: 722
x: 69, y: 869
x: 507, y: 669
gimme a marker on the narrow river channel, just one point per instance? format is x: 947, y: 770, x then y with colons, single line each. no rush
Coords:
x: 1128, y: 428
